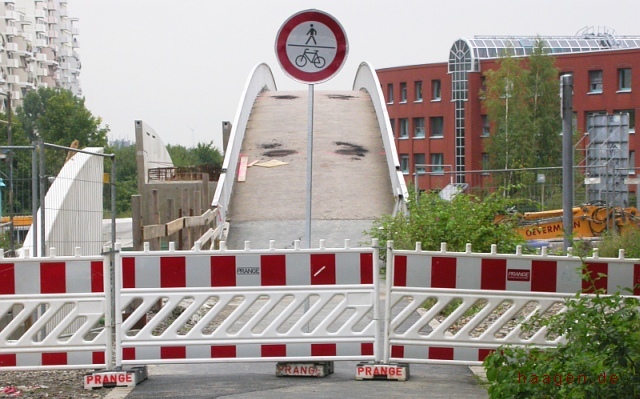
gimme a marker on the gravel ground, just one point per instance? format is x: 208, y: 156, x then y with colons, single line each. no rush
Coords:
x: 59, y: 384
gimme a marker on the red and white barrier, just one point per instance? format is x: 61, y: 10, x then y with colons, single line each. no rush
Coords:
x: 239, y: 269
x: 51, y: 276
x: 294, y: 305
x: 427, y: 269
x: 49, y: 307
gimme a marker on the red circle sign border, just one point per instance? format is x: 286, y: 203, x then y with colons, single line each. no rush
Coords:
x: 341, y: 51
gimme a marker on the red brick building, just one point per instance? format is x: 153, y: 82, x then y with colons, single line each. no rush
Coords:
x: 436, y: 112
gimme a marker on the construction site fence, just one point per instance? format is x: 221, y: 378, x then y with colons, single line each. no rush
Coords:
x: 307, y: 305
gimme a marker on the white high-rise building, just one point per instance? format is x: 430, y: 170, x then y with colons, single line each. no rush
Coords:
x: 38, y: 43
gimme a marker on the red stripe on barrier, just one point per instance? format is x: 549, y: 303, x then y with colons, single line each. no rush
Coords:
x: 494, y: 274
x: 636, y: 279
x: 599, y: 283
x: 397, y: 351
x: 54, y: 359
x: 8, y: 360
x: 443, y: 272
x: 323, y: 350
x: 223, y: 271
x: 483, y: 353
x: 441, y: 353
x: 323, y: 269
x: 399, y: 270
x: 543, y: 275
x: 53, y: 278
x: 97, y: 277
x: 173, y: 352
x: 173, y: 272
x: 273, y: 350
x: 366, y: 268
x: 273, y: 269
x: 98, y: 358
x: 128, y: 353
x: 7, y: 279
x: 220, y: 351
x: 366, y: 349
x: 128, y: 272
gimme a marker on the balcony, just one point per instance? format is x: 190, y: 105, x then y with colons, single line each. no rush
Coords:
x: 11, y: 31
x: 76, y: 43
x: 13, y: 63
x: 13, y: 79
x: 42, y: 28
x: 40, y: 13
x: 10, y: 2
x: 42, y: 71
x: 16, y: 95
x: 42, y: 43
x: 53, y: 33
x: 11, y: 15
x: 41, y: 57
x: 11, y: 47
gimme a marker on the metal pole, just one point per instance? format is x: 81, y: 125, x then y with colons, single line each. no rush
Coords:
x: 567, y: 159
x: 309, y: 167
x: 43, y: 193
x: 34, y: 196
x: 12, y: 242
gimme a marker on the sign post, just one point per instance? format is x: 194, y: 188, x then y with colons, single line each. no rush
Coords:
x: 311, y: 47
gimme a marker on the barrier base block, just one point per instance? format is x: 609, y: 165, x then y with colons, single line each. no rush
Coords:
x: 115, y: 378
x: 304, y: 369
x: 376, y: 371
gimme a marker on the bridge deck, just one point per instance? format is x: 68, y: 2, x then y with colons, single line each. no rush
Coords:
x: 351, y: 184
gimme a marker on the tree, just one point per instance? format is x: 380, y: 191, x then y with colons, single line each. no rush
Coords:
x: 523, y: 105
x: 59, y: 117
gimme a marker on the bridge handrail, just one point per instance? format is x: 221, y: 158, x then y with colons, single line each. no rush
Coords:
x: 366, y: 79
x: 260, y: 79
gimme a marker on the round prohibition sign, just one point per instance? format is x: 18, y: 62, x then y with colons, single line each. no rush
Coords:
x: 311, y: 46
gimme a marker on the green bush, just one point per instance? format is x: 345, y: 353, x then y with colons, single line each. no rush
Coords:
x: 600, y: 359
x: 629, y: 240
x: 465, y: 219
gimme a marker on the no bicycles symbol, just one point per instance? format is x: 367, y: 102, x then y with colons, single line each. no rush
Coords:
x: 311, y: 46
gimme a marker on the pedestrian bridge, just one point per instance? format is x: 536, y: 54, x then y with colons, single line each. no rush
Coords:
x: 356, y: 173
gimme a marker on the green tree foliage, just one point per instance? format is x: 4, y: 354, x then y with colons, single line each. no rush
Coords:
x: 59, y: 117
x: 465, y: 219
x: 523, y: 105
x: 202, y: 154
x: 600, y: 359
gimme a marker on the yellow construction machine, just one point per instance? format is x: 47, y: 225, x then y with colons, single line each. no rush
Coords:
x: 588, y: 221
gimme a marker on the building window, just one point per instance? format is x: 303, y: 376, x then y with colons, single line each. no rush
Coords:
x: 418, y: 159
x: 595, y: 81
x: 436, y: 90
x: 404, y: 163
x: 403, y: 92
x: 436, y: 124
x: 485, y: 126
x: 392, y: 122
x: 418, y: 127
x: 632, y: 163
x: 624, y: 79
x: 390, y: 93
x: 418, y: 89
x: 632, y: 118
x: 437, y: 162
x: 485, y: 163
x: 404, y: 128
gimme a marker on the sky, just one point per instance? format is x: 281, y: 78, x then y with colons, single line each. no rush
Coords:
x: 181, y: 66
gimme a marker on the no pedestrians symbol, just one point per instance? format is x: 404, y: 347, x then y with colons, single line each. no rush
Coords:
x: 311, y: 46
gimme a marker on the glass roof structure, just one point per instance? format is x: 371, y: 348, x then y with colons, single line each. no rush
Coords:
x: 469, y: 52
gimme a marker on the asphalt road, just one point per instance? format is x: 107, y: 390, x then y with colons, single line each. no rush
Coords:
x: 258, y: 381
